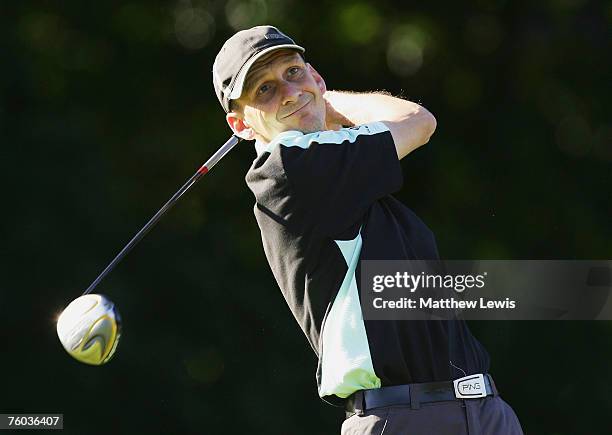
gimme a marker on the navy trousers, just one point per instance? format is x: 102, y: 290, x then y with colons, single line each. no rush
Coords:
x: 486, y: 416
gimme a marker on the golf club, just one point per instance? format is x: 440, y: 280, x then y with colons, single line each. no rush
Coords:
x: 90, y: 327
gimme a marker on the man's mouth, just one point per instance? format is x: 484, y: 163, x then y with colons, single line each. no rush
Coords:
x: 297, y: 110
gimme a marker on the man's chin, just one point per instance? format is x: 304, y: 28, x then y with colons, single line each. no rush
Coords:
x: 310, y: 126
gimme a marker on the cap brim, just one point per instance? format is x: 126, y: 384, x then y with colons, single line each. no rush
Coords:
x: 239, y: 83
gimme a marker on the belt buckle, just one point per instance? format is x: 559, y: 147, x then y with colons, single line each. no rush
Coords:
x: 470, y: 387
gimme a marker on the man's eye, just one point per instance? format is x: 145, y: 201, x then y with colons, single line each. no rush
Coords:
x: 263, y: 89
x: 294, y: 70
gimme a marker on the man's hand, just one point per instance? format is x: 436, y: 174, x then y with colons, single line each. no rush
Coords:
x: 411, y: 125
x: 334, y: 120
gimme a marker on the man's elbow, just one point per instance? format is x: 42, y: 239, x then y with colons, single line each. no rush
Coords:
x: 429, y: 125
x: 412, y: 131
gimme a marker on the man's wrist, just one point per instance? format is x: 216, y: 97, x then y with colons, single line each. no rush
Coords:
x: 334, y: 119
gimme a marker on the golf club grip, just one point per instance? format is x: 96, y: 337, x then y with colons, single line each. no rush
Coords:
x: 205, y: 168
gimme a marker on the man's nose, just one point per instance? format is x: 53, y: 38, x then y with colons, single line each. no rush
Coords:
x: 290, y: 93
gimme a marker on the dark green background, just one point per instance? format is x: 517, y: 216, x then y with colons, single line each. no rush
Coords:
x: 107, y: 108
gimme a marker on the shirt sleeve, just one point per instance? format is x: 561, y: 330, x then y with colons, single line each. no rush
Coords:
x: 338, y: 175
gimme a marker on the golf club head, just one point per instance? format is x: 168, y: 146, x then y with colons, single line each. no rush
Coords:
x: 89, y: 329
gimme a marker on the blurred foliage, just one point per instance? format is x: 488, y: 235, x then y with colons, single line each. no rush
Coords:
x: 107, y: 108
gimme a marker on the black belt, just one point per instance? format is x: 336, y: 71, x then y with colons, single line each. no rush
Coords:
x: 409, y: 394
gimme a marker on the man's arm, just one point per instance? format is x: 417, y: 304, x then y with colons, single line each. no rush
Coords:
x: 411, y: 125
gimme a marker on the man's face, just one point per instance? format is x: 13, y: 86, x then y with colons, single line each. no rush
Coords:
x: 281, y: 93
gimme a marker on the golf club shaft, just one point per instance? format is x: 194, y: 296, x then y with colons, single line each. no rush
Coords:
x: 205, y: 168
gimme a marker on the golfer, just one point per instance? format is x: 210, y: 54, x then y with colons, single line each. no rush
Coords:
x: 327, y: 163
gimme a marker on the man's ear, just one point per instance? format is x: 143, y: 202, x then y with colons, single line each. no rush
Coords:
x: 318, y: 79
x: 239, y: 126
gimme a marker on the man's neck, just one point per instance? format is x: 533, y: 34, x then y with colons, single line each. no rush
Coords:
x: 261, y: 144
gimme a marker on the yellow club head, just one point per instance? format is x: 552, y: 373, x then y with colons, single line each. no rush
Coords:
x: 89, y: 329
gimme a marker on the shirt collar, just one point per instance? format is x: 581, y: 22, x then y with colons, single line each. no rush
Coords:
x: 261, y: 147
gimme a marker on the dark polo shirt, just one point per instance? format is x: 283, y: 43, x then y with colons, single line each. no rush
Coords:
x: 323, y: 204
